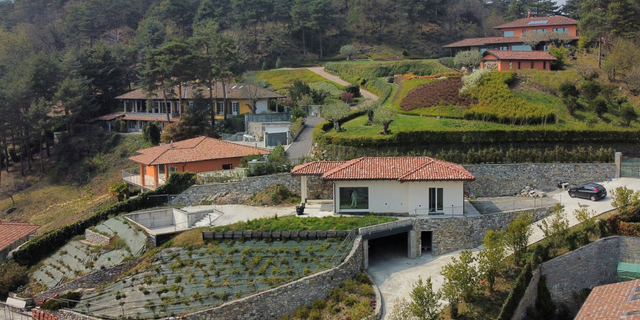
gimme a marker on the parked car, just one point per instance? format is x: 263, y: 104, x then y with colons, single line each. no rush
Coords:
x: 591, y: 191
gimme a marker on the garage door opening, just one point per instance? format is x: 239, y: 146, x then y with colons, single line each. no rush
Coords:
x: 388, y: 248
x: 426, y: 241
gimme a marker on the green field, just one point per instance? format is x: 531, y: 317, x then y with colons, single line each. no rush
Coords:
x: 281, y: 79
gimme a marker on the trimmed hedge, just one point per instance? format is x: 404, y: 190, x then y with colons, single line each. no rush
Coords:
x: 350, y: 70
x: 41, y: 247
x: 516, y: 294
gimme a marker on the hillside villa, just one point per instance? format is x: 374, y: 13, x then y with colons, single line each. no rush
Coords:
x: 395, y: 185
x: 516, y: 60
x: 241, y: 98
x: 202, y: 154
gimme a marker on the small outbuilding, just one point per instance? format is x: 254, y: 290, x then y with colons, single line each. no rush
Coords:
x: 504, y: 60
x: 14, y: 234
x: 202, y: 154
x: 391, y: 185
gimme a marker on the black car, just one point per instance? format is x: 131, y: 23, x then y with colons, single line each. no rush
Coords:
x: 591, y: 191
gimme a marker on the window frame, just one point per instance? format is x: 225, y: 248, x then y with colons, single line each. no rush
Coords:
x: 436, y: 200
x: 220, y: 107
x: 235, y: 108
x: 509, y: 34
x: 361, y: 196
x: 227, y: 166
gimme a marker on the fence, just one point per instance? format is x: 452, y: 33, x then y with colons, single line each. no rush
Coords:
x: 11, y: 313
x: 238, y: 136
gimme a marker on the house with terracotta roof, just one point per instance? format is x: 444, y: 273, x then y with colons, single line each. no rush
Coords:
x: 13, y: 234
x: 516, y: 60
x: 391, y: 185
x: 612, y: 301
x: 138, y: 108
x: 202, y: 154
x: 519, y: 35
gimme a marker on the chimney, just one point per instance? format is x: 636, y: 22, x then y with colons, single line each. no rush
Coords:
x: 529, y: 14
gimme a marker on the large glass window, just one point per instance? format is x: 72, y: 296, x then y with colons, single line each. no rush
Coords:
x: 561, y: 30
x: 523, y: 47
x: 509, y: 34
x: 354, y: 198
x: 436, y: 199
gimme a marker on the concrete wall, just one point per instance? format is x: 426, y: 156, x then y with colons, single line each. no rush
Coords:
x: 154, y: 218
x: 587, y: 267
x: 396, y: 197
x: 458, y: 232
x: 257, y: 129
x: 494, y: 180
x: 275, y: 303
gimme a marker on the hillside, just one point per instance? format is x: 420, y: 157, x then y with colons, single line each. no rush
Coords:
x: 54, y: 204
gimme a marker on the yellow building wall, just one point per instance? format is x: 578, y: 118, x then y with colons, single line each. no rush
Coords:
x: 244, y: 107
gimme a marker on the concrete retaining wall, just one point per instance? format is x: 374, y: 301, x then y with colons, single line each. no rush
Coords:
x: 274, y: 303
x: 459, y: 232
x: 493, y: 180
x: 587, y: 267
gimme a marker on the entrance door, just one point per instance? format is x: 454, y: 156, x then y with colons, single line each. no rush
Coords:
x: 426, y: 241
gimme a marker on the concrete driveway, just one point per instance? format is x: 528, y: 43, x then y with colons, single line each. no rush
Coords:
x: 396, y: 275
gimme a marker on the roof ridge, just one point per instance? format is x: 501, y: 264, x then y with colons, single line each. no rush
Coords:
x: 428, y: 161
x: 342, y: 167
x: 238, y: 145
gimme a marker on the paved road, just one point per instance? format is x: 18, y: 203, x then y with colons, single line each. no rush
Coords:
x: 302, y: 145
x: 396, y: 275
x: 320, y: 71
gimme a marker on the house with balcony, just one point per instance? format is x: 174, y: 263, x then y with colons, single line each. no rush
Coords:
x: 139, y: 108
x: 519, y: 34
x: 198, y: 155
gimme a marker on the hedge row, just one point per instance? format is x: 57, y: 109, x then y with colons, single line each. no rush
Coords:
x: 516, y: 294
x: 385, y: 69
x: 43, y: 246
x: 514, y: 135
x: 379, y: 87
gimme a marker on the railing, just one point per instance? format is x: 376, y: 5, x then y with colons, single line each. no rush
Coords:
x: 445, y: 211
x: 517, y: 204
x: 11, y: 313
x: 134, y: 179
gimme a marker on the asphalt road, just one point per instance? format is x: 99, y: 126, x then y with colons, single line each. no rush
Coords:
x: 302, y: 145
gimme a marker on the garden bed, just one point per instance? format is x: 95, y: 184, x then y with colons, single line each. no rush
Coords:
x: 183, y: 280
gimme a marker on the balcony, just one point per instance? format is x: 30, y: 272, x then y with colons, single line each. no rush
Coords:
x: 133, y: 178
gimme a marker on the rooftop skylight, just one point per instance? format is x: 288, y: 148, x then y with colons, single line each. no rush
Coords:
x: 538, y: 22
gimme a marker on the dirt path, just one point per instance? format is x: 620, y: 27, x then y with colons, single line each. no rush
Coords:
x: 320, y: 71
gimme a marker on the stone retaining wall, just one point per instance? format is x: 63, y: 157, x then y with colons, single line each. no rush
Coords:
x: 275, y: 303
x: 493, y: 180
x: 92, y: 280
x: 96, y: 238
x: 70, y: 315
x: 456, y: 233
x: 257, y: 129
x: 252, y: 185
x: 587, y: 267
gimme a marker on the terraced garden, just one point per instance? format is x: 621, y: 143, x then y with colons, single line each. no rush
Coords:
x: 185, y: 279
x: 79, y: 257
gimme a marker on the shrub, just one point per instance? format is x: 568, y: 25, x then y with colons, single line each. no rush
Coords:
x: 119, y: 190
x: 471, y: 80
x: 628, y: 114
x: 439, y: 93
x: 560, y: 53
x: 447, y: 62
x: 318, y: 304
x: 152, y: 133
x: 11, y: 277
x: 353, y: 89
x: 468, y: 59
x: 296, y: 127
x: 347, y: 97
x: 516, y: 294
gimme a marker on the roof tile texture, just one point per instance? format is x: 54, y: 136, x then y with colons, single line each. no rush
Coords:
x: 10, y: 232
x: 315, y: 168
x: 520, y: 55
x: 611, y: 302
x: 193, y: 150
x: 402, y: 169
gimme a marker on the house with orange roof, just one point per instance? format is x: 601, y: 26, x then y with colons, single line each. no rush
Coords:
x: 391, y: 185
x: 202, y: 154
x: 516, y: 60
x: 517, y: 34
x: 612, y: 301
x: 13, y: 234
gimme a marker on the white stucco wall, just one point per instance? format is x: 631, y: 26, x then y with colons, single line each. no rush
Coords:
x: 261, y: 106
x: 396, y: 197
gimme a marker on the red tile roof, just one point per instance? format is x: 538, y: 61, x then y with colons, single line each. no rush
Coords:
x: 551, y: 21
x: 315, y: 168
x: 389, y: 168
x: 193, y: 150
x: 11, y: 232
x: 611, y: 302
x: 234, y: 91
x: 519, y: 55
x: 478, y: 42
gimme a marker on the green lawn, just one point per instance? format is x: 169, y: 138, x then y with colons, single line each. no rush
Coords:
x: 281, y: 79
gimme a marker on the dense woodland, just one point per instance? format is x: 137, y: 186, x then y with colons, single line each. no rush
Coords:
x: 62, y: 62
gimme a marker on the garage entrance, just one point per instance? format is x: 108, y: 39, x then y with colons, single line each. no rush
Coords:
x: 389, y: 247
x: 391, y: 240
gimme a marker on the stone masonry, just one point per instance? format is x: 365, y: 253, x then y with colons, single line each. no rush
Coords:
x: 455, y: 233
x: 274, y: 303
x: 493, y: 180
x: 252, y: 185
x: 587, y: 267
x: 92, y: 280
x: 96, y: 238
x: 257, y: 129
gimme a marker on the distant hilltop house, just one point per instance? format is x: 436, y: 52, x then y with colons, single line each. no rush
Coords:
x: 201, y: 154
x: 521, y: 42
x: 241, y: 98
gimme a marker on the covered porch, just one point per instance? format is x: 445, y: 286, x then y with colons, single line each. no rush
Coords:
x: 147, y: 177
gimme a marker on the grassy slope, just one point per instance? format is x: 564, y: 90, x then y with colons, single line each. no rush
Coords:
x: 281, y: 79
x: 53, y: 205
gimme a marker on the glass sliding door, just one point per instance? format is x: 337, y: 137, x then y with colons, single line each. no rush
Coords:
x: 436, y: 199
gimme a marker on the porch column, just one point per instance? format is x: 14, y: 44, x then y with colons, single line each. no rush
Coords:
x: 124, y: 106
x: 412, y: 244
x: 166, y: 172
x: 303, y: 189
x: 155, y: 176
x: 142, y: 174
